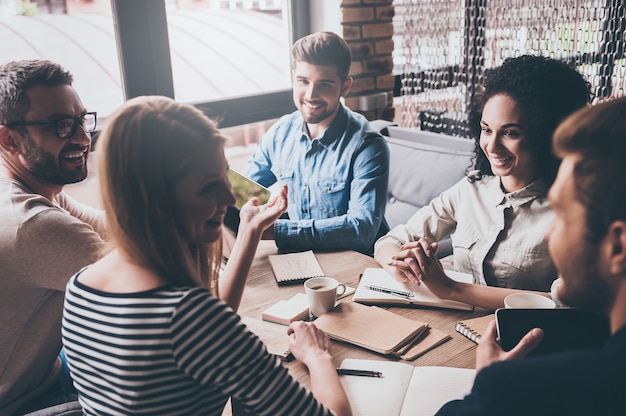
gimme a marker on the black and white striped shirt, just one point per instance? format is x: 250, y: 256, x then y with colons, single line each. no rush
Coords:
x: 171, y: 351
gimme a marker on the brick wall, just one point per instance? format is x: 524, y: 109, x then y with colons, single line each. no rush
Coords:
x: 368, y: 29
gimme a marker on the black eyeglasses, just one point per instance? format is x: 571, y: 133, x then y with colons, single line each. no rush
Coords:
x: 65, y: 127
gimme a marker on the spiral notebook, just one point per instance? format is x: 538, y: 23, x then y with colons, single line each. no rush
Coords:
x: 291, y: 268
x: 474, y: 328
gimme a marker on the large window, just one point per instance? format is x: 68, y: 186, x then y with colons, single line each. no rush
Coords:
x: 80, y: 38
x: 231, y: 58
x: 223, y: 50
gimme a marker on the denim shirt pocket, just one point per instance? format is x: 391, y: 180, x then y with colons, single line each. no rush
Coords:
x: 530, y: 269
x: 284, y: 176
x: 332, y: 200
x: 462, y: 243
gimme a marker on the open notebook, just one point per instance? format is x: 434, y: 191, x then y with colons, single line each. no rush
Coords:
x: 375, y: 283
x: 403, y: 390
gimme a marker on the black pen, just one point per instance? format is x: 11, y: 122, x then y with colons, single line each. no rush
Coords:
x: 352, y: 372
x: 390, y: 291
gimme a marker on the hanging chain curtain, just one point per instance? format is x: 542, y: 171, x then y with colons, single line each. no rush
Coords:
x: 443, y: 48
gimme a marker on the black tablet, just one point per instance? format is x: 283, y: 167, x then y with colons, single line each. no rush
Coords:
x: 564, y: 329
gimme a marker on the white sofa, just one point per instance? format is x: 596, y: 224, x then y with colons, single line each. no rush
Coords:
x: 422, y: 165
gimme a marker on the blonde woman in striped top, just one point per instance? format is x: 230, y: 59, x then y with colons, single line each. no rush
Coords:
x: 146, y: 329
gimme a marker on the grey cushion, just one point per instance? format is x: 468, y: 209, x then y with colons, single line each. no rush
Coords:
x: 430, y: 138
x: 422, y: 165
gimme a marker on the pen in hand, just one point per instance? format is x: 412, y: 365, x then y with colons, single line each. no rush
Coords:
x: 364, y: 373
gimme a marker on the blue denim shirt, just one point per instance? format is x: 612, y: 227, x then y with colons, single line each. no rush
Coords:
x: 337, y: 184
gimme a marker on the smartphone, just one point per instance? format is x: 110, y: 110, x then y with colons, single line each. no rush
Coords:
x: 564, y: 329
x: 243, y: 188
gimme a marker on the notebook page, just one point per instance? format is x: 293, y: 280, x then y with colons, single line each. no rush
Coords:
x: 376, y: 396
x: 432, y: 387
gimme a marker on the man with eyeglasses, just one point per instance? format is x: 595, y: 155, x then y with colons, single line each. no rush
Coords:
x: 45, y: 236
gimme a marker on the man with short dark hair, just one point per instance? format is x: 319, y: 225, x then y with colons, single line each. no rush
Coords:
x: 587, y: 241
x: 45, y: 236
x: 336, y: 166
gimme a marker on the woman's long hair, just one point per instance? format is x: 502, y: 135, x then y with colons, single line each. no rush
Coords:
x: 146, y: 149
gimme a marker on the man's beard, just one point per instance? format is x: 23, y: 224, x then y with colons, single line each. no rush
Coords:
x: 309, y: 118
x: 45, y: 167
x: 589, y: 290
x: 317, y: 119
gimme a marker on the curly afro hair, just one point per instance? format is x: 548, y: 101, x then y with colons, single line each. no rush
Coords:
x: 545, y: 90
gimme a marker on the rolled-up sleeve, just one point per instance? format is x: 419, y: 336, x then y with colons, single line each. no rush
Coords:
x: 434, y: 221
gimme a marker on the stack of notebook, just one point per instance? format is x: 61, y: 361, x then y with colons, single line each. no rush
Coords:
x: 380, y: 330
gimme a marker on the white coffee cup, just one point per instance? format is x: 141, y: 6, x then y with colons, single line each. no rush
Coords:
x: 528, y: 301
x: 321, y: 294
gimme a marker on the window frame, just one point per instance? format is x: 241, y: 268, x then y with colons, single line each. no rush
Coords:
x: 146, y: 66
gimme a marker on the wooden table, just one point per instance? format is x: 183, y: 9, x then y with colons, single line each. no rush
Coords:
x: 346, y: 266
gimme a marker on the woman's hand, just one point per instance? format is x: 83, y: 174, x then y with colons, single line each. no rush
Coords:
x: 406, y: 260
x: 489, y: 350
x: 260, y: 218
x: 307, y: 342
x: 417, y: 262
x: 311, y: 346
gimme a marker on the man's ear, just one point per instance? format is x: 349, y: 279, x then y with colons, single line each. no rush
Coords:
x: 345, y: 88
x: 616, y: 241
x: 7, y: 140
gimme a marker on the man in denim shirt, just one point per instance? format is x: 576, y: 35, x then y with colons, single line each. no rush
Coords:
x: 335, y: 165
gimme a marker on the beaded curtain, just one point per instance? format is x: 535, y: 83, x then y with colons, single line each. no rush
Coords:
x: 443, y: 47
